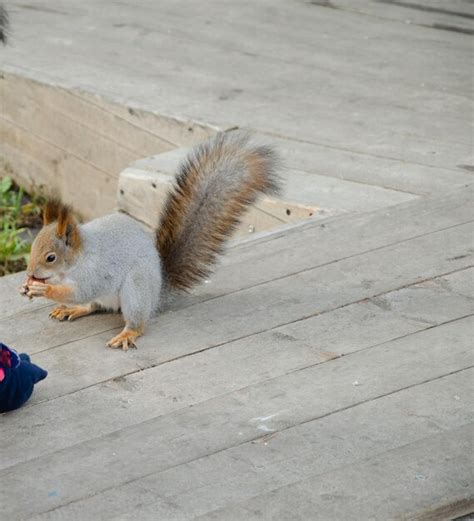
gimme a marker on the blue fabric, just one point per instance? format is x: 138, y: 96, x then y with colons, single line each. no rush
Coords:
x: 20, y: 379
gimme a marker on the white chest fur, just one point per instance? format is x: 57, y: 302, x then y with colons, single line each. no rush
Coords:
x: 109, y: 302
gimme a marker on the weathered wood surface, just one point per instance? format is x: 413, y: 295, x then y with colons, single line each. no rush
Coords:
x: 323, y: 370
x: 324, y: 448
x: 455, y: 15
x: 317, y: 377
x: 275, y: 352
x: 76, y: 145
x: 363, y: 167
x: 431, y: 479
x: 229, y: 77
x: 176, y: 438
x: 354, y: 95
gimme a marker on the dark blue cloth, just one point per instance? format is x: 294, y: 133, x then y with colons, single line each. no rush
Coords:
x: 19, y: 381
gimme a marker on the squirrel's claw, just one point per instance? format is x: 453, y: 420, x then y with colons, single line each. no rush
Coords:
x: 24, y: 289
x: 57, y: 312
x: 70, y: 312
x: 125, y: 339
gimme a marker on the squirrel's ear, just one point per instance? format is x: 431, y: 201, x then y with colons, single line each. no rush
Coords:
x: 51, y: 211
x: 66, y: 227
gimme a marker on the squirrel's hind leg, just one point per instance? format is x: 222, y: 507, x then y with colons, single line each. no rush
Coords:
x: 138, y: 294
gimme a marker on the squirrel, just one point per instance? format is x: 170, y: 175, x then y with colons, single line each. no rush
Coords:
x: 112, y: 263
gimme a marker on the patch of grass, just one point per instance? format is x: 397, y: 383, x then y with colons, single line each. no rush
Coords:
x: 18, y: 213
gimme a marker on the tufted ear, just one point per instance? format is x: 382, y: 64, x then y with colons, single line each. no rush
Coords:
x: 66, y: 225
x: 51, y: 210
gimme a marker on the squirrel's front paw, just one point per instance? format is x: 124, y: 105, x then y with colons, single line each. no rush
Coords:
x: 37, y: 289
x: 55, y: 292
x: 71, y: 313
x: 24, y: 289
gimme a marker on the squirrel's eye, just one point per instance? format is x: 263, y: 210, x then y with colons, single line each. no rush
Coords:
x: 51, y: 257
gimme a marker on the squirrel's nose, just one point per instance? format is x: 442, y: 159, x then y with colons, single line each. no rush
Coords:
x: 30, y: 270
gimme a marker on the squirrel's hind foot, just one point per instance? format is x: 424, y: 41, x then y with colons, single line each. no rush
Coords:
x: 125, y: 339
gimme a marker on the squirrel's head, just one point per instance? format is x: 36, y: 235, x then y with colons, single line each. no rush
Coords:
x: 57, y: 244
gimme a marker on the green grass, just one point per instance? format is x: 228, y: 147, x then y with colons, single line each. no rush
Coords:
x: 17, y: 213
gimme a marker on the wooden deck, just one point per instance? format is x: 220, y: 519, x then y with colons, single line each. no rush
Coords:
x: 368, y: 101
x: 324, y: 372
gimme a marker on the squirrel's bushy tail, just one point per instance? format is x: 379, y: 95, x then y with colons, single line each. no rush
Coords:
x: 214, y: 186
x: 3, y: 24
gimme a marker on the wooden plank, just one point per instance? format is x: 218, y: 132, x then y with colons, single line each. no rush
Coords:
x: 179, y: 131
x: 135, y: 131
x: 93, y: 185
x: 360, y: 167
x: 442, y: 211
x: 247, y: 471
x: 218, y: 371
x: 26, y: 108
x: 455, y: 15
x: 273, y: 35
x: 459, y: 285
x: 340, y: 195
x: 70, y: 125
x: 410, y: 482
x: 149, y: 447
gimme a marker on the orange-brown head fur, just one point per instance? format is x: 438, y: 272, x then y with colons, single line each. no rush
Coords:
x: 57, y: 244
